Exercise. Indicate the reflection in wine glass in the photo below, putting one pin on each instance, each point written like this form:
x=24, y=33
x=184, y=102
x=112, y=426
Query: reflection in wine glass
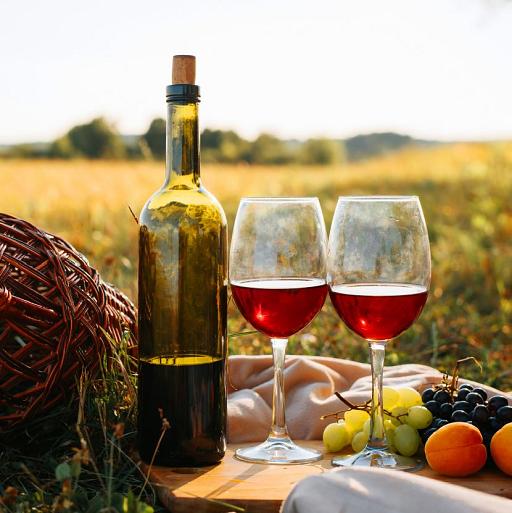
x=277, y=275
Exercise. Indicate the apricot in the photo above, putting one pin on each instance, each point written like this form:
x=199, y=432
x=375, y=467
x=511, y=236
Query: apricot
x=501, y=449
x=456, y=449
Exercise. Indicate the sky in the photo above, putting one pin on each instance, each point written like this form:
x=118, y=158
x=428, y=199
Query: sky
x=437, y=69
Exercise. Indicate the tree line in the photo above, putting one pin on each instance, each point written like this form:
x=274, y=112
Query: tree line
x=99, y=139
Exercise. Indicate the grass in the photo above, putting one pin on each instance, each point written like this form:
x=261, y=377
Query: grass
x=82, y=461
x=465, y=191
x=80, y=456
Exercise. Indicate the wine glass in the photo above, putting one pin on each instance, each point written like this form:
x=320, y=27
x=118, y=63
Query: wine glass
x=378, y=272
x=277, y=274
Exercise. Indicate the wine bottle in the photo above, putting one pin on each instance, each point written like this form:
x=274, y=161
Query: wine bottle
x=182, y=298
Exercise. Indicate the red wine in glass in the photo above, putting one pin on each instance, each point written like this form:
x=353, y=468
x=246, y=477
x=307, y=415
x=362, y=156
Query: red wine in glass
x=277, y=272
x=378, y=311
x=279, y=308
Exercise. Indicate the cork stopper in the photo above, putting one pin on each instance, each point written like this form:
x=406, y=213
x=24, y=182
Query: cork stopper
x=183, y=69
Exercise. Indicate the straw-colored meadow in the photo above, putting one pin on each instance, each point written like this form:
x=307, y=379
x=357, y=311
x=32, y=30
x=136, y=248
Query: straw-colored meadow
x=465, y=191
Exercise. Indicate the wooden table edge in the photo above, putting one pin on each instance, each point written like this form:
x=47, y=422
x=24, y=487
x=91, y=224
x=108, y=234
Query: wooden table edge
x=176, y=492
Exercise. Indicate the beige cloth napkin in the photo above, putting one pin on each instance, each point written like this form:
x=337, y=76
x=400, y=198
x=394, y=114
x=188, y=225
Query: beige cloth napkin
x=310, y=382
x=371, y=490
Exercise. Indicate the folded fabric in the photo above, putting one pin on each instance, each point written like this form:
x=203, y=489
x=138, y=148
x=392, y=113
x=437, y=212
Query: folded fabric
x=373, y=490
x=310, y=382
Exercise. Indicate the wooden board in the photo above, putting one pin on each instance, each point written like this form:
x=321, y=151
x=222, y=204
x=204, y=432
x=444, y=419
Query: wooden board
x=262, y=488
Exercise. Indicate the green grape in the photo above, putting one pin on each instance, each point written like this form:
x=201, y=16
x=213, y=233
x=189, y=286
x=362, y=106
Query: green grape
x=399, y=415
x=409, y=397
x=406, y=440
x=389, y=426
x=335, y=437
x=390, y=437
x=356, y=419
x=359, y=441
x=348, y=428
x=419, y=417
x=367, y=427
x=390, y=397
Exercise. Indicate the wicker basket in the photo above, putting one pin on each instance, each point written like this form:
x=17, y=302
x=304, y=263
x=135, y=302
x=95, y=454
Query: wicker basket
x=53, y=310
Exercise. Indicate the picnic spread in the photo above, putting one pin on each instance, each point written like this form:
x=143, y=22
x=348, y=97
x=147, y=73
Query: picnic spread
x=310, y=384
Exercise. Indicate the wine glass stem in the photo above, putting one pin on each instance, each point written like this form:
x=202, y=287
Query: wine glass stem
x=278, y=429
x=377, y=434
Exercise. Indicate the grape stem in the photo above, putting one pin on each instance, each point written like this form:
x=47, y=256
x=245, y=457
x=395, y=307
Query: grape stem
x=451, y=383
x=351, y=406
x=455, y=377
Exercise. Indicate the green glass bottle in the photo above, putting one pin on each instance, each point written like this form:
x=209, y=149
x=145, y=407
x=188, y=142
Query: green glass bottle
x=182, y=299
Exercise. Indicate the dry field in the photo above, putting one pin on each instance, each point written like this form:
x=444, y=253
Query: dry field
x=465, y=191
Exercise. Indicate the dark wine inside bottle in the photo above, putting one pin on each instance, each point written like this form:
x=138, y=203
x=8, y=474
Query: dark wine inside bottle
x=189, y=393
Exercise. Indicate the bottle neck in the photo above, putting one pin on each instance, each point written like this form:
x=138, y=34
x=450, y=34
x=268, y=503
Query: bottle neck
x=182, y=146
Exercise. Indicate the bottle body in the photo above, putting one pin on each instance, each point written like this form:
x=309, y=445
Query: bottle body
x=182, y=311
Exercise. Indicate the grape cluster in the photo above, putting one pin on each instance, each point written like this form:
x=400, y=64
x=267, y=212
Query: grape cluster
x=404, y=419
x=468, y=404
x=411, y=418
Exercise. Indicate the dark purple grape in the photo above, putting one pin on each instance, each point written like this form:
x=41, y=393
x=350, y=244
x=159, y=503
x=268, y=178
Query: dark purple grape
x=427, y=434
x=428, y=395
x=480, y=414
x=504, y=414
x=442, y=396
x=466, y=385
x=462, y=405
x=433, y=407
x=445, y=411
x=495, y=424
x=481, y=392
x=487, y=437
x=460, y=416
x=496, y=402
x=462, y=394
x=439, y=423
x=474, y=398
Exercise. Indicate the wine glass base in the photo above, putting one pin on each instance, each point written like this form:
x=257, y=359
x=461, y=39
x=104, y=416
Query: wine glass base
x=278, y=452
x=380, y=459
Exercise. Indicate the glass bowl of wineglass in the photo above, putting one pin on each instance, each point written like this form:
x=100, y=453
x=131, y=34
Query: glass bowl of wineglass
x=378, y=273
x=277, y=274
